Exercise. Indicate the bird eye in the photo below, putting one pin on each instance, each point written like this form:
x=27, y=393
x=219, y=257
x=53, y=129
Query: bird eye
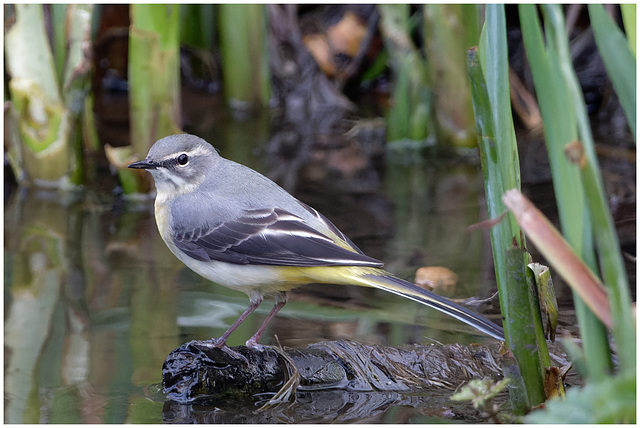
x=183, y=159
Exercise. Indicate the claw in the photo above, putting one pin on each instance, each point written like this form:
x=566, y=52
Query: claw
x=234, y=354
x=253, y=344
x=222, y=345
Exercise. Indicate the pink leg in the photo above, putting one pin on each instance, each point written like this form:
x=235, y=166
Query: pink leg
x=281, y=300
x=255, y=302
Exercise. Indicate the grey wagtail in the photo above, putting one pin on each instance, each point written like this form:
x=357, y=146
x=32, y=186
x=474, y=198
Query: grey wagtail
x=234, y=226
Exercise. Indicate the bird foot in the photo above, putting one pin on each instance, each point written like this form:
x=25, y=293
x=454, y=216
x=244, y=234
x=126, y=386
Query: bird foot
x=202, y=343
x=220, y=344
x=253, y=344
x=234, y=354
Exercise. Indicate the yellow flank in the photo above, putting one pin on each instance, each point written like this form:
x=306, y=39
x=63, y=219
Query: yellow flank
x=162, y=215
x=342, y=275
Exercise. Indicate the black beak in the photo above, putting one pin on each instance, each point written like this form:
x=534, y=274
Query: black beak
x=144, y=164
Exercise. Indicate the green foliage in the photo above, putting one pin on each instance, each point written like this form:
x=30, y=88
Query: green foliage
x=430, y=95
x=584, y=214
x=629, y=18
x=586, y=223
x=245, y=60
x=410, y=116
x=154, y=88
x=547, y=295
x=450, y=30
x=618, y=59
x=154, y=74
x=611, y=401
x=588, y=226
x=197, y=25
x=500, y=166
x=560, y=129
x=481, y=393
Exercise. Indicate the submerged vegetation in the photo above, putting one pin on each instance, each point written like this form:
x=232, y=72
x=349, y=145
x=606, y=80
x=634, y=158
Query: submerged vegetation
x=443, y=91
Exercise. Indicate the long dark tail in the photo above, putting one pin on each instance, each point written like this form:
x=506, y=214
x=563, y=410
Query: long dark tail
x=385, y=281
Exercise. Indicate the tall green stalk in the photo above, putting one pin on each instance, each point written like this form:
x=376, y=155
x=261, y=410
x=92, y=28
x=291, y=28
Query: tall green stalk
x=154, y=88
x=450, y=30
x=559, y=115
x=197, y=27
x=245, y=60
x=154, y=74
x=488, y=70
x=606, y=238
x=410, y=116
x=75, y=81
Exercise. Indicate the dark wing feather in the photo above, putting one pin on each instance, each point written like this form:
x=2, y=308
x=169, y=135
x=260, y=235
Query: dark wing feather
x=331, y=226
x=267, y=237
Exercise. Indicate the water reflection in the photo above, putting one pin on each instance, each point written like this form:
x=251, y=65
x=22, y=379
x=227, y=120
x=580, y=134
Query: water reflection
x=76, y=351
x=329, y=406
x=94, y=301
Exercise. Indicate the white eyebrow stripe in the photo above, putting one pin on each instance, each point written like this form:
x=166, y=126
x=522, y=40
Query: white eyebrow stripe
x=196, y=151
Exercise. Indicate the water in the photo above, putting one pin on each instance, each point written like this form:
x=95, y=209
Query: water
x=94, y=301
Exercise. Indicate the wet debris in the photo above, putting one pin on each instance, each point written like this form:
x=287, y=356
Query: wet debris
x=196, y=372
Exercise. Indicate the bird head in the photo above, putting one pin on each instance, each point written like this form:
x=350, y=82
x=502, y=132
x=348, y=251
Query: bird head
x=179, y=163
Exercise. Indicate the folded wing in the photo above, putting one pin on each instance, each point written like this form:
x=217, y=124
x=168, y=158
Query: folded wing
x=269, y=237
